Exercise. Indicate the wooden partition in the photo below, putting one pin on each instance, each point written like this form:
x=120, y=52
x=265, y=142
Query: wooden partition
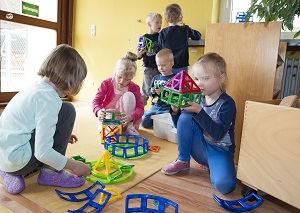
x=250, y=51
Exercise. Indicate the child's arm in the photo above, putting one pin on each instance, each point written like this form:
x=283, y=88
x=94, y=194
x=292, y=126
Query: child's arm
x=217, y=129
x=77, y=167
x=140, y=53
x=194, y=34
x=99, y=98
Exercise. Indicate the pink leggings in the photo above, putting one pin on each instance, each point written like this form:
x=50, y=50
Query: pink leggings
x=127, y=104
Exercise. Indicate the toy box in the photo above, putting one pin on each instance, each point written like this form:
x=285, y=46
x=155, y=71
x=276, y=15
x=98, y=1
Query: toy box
x=163, y=127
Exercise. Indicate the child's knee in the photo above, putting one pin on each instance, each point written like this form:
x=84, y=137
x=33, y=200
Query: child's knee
x=128, y=96
x=224, y=186
x=147, y=122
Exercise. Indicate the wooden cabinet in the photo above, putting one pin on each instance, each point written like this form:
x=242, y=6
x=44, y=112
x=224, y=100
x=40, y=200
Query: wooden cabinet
x=251, y=52
x=270, y=151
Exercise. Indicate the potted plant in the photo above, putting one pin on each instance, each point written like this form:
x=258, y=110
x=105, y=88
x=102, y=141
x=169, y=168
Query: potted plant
x=276, y=10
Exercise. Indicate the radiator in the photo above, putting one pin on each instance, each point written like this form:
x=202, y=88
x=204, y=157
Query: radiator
x=290, y=78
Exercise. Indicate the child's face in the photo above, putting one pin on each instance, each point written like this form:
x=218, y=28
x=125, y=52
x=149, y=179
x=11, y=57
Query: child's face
x=204, y=78
x=122, y=80
x=154, y=25
x=164, y=65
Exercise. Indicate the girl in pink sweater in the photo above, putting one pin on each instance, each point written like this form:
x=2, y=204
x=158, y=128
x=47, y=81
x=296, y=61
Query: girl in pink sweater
x=119, y=93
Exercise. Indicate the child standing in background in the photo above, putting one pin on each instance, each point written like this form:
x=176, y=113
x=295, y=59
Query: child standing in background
x=165, y=61
x=150, y=70
x=175, y=37
x=206, y=131
x=36, y=126
x=120, y=94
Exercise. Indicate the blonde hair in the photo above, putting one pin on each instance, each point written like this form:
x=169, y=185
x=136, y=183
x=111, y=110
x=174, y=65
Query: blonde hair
x=165, y=52
x=127, y=64
x=216, y=63
x=65, y=68
x=152, y=16
x=173, y=13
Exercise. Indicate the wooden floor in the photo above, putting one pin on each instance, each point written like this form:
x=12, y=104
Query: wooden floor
x=191, y=190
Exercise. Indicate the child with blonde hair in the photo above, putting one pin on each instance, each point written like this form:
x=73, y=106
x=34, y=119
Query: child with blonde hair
x=165, y=60
x=36, y=126
x=153, y=21
x=176, y=36
x=206, y=131
x=119, y=93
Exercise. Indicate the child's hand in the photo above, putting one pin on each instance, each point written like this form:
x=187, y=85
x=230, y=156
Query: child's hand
x=81, y=169
x=157, y=91
x=126, y=119
x=152, y=90
x=174, y=109
x=100, y=114
x=194, y=107
x=73, y=139
x=140, y=52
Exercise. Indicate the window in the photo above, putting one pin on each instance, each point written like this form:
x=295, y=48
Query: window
x=243, y=5
x=29, y=31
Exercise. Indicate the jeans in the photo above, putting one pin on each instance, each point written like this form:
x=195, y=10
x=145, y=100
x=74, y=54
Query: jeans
x=147, y=122
x=149, y=73
x=191, y=143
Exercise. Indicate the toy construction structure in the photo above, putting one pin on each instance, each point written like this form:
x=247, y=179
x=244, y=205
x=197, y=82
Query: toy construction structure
x=90, y=194
x=140, y=203
x=179, y=90
x=111, y=124
x=245, y=204
x=126, y=145
x=145, y=43
x=110, y=171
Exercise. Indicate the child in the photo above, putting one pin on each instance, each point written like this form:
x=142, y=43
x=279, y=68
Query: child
x=164, y=60
x=120, y=94
x=175, y=37
x=150, y=70
x=206, y=131
x=36, y=126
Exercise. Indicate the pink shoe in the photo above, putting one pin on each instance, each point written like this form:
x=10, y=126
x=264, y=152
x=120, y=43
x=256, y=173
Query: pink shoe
x=175, y=166
x=63, y=178
x=131, y=130
x=13, y=184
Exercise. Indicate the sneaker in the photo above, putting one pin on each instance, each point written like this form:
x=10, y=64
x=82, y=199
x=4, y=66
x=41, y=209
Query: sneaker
x=131, y=130
x=13, y=184
x=63, y=178
x=175, y=166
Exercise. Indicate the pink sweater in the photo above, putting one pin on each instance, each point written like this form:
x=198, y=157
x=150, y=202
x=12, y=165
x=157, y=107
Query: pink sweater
x=106, y=93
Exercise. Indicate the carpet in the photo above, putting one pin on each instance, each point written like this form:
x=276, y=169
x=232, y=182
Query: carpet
x=89, y=147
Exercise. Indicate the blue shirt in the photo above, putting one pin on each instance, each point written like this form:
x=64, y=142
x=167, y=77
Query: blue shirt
x=34, y=108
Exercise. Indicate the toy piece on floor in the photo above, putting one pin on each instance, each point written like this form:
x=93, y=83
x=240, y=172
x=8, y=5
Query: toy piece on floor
x=91, y=204
x=138, y=203
x=83, y=195
x=126, y=145
x=103, y=169
x=117, y=195
x=241, y=204
x=111, y=124
x=145, y=43
x=180, y=90
x=153, y=148
x=78, y=158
